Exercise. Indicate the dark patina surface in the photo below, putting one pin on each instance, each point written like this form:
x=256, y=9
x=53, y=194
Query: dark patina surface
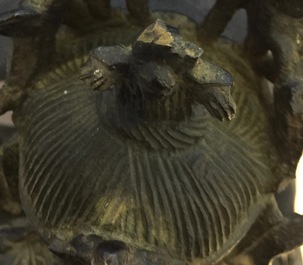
x=135, y=146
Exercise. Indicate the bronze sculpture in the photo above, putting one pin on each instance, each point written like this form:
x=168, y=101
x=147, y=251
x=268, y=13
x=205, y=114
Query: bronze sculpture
x=123, y=155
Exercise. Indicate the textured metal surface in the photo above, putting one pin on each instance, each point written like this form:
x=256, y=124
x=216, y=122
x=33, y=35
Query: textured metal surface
x=150, y=185
x=135, y=195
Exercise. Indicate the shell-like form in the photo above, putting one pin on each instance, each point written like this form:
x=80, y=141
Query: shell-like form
x=192, y=188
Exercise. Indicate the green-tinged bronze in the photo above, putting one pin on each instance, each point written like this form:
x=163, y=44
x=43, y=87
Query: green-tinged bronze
x=136, y=146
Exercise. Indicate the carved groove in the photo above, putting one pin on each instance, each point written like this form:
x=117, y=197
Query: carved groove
x=80, y=169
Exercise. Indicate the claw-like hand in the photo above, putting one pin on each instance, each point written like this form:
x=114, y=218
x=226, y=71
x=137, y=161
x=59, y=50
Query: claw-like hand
x=213, y=86
x=161, y=66
x=100, y=69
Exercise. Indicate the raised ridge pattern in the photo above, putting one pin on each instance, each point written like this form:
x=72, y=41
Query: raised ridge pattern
x=78, y=169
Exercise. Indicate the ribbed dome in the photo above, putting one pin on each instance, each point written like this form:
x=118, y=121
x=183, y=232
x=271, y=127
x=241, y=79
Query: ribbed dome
x=192, y=187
